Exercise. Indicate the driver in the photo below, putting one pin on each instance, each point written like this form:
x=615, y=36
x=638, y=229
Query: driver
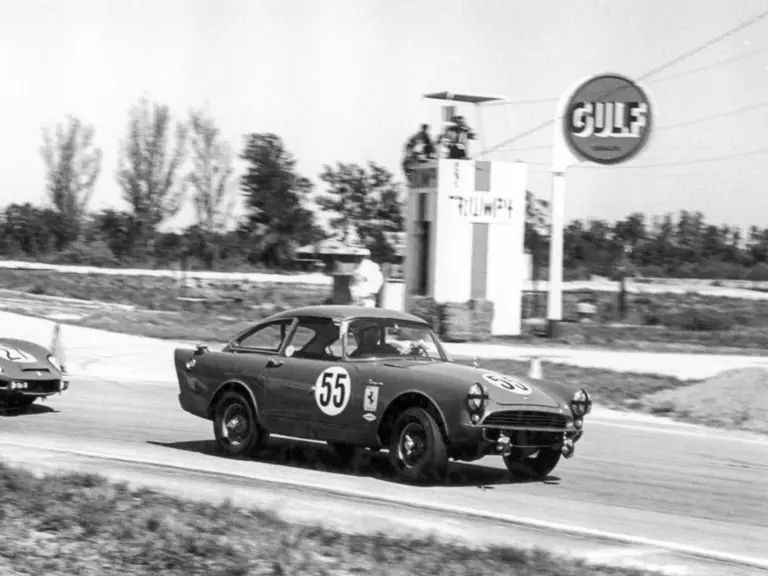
x=368, y=343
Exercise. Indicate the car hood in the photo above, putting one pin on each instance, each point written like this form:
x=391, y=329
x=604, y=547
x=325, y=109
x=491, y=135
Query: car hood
x=19, y=358
x=503, y=389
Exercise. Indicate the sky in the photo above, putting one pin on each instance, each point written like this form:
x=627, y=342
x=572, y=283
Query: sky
x=343, y=80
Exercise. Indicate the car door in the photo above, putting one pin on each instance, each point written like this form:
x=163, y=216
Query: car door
x=258, y=353
x=318, y=388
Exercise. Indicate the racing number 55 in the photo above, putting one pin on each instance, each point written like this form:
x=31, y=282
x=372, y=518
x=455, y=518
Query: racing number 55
x=332, y=390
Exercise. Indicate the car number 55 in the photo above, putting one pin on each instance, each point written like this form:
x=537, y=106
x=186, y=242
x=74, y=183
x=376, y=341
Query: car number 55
x=332, y=390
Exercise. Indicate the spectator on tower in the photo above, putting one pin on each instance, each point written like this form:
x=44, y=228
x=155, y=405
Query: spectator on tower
x=456, y=137
x=421, y=144
x=419, y=148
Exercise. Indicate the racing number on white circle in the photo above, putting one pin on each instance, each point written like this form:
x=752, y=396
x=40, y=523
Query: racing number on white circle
x=332, y=390
x=508, y=383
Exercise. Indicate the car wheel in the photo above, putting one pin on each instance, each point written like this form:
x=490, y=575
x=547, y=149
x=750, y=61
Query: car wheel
x=351, y=454
x=236, y=427
x=416, y=449
x=534, y=467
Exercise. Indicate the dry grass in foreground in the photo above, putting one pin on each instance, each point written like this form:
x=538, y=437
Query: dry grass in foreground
x=735, y=398
x=81, y=524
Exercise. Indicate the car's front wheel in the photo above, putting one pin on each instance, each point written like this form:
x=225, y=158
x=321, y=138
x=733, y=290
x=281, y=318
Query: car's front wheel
x=534, y=467
x=417, y=450
x=236, y=426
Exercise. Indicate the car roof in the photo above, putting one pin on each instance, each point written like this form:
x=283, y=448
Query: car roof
x=345, y=312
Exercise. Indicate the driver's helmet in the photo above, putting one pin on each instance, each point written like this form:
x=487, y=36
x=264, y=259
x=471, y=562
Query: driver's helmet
x=362, y=334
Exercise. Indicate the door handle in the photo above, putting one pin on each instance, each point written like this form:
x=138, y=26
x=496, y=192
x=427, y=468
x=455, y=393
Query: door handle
x=273, y=363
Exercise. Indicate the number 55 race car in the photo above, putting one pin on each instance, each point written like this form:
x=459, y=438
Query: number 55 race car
x=27, y=372
x=358, y=378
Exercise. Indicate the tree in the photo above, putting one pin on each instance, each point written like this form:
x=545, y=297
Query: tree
x=148, y=169
x=276, y=197
x=72, y=165
x=209, y=180
x=368, y=201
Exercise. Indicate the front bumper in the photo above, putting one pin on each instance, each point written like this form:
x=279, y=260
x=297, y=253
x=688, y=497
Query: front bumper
x=500, y=430
x=32, y=388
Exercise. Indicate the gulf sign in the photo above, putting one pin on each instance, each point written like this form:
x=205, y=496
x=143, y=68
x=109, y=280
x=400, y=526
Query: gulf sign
x=608, y=120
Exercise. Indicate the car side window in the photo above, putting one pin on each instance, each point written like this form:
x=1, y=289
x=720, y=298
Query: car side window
x=315, y=338
x=269, y=337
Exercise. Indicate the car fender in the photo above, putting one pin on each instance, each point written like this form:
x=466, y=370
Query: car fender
x=238, y=384
x=443, y=421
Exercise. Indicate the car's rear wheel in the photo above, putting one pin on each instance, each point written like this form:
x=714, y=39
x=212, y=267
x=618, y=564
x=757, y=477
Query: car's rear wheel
x=534, y=467
x=417, y=450
x=236, y=426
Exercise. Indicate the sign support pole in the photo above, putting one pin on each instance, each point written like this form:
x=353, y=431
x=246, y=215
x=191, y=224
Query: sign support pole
x=608, y=121
x=555, y=291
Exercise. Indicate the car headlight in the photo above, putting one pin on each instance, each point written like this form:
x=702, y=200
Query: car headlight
x=477, y=398
x=56, y=364
x=581, y=403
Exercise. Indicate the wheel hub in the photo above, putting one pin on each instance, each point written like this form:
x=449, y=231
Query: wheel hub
x=235, y=424
x=412, y=444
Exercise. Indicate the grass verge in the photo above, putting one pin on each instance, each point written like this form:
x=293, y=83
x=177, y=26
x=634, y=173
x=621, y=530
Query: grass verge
x=82, y=524
x=165, y=309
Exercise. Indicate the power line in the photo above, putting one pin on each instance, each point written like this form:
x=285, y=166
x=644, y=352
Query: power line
x=715, y=116
x=654, y=71
x=670, y=126
x=711, y=65
x=656, y=81
x=681, y=163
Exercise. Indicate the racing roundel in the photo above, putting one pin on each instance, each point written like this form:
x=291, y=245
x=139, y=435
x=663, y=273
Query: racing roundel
x=333, y=388
x=15, y=355
x=508, y=383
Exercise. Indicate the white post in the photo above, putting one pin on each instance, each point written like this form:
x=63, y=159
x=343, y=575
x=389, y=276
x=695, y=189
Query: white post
x=555, y=291
x=562, y=158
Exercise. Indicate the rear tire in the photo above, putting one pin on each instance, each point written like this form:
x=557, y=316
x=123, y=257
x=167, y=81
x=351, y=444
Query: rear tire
x=537, y=467
x=417, y=450
x=236, y=427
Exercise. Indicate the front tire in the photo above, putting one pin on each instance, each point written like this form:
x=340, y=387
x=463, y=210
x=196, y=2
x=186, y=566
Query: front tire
x=535, y=467
x=236, y=427
x=417, y=450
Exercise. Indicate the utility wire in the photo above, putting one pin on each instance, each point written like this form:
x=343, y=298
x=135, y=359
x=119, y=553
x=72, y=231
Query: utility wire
x=670, y=126
x=656, y=81
x=671, y=164
x=652, y=72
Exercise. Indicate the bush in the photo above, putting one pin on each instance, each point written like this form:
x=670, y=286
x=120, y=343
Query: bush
x=698, y=319
x=95, y=253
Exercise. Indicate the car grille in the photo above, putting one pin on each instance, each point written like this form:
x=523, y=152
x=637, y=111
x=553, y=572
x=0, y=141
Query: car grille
x=525, y=419
x=39, y=386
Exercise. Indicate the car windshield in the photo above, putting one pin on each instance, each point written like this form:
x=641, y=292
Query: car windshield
x=370, y=338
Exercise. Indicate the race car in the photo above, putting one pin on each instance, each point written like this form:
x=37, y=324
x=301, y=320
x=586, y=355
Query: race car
x=28, y=371
x=363, y=378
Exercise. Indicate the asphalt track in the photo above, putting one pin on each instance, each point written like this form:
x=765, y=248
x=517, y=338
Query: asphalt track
x=671, y=492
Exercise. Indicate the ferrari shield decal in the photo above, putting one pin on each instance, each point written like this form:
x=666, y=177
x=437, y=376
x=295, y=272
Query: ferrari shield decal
x=15, y=355
x=507, y=383
x=371, y=401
